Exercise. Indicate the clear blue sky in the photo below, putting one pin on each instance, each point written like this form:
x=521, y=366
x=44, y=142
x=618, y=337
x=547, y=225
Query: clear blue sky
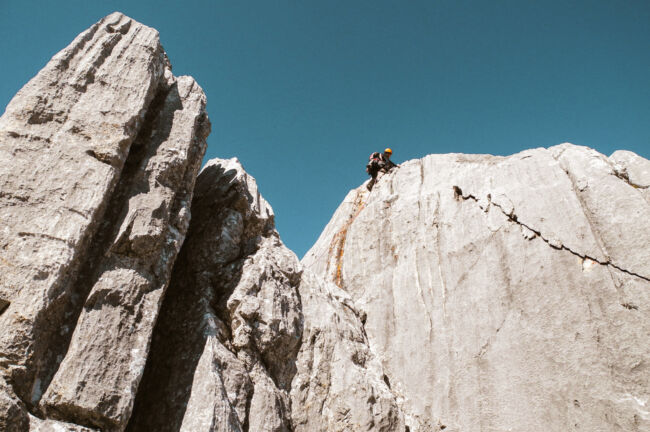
x=302, y=91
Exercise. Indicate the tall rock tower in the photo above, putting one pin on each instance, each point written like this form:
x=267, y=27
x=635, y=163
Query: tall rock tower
x=99, y=153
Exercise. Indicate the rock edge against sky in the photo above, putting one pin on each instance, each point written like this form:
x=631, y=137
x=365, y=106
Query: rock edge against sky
x=466, y=292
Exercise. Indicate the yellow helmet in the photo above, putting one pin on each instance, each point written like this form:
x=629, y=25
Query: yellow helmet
x=389, y=151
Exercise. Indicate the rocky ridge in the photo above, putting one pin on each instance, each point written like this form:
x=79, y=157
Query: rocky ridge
x=248, y=340
x=105, y=146
x=466, y=292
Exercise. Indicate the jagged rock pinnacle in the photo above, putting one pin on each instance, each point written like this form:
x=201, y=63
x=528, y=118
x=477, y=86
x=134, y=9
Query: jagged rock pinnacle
x=103, y=145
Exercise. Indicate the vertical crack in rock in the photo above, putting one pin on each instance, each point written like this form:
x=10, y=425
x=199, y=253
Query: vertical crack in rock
x=128, y=275
x=91, y=269
x=233, y=314
x=100, y=215
x=242, y=328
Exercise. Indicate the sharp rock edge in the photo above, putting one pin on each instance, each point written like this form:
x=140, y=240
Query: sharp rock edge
x=104, y=145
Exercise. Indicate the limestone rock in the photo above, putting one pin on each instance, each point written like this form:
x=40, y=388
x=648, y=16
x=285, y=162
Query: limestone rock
x=633, y=169
x=340, y=384
x=504, y=293
x=38, y=425
x=103, y=147
x=244, y=340
x=465, y=293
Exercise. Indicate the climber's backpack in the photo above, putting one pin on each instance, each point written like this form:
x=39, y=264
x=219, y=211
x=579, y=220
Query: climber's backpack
x=373, y=164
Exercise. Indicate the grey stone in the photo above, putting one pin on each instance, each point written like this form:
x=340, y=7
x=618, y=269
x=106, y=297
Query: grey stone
x=340, y=384
x=465, y=292
x=39, y=425
x=103, y=146
x=234, y=348
x=503, y=293
x=633, y=169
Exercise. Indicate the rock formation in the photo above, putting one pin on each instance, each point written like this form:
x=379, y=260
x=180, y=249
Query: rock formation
x=465, y=293
x=504, y=293
x=104, y=147
x=100, y=153
x=247, y=340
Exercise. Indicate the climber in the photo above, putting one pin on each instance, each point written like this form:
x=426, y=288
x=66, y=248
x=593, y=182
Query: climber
x=379, y=163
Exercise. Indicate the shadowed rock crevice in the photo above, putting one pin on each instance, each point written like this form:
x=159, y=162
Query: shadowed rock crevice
x=4, y=304
x=99, y=229
x=234, y=346
x=144, y=233
x=46, y=234
x=233, y=230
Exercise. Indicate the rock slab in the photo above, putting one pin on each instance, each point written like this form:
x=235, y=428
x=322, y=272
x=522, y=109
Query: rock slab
x=504, y=293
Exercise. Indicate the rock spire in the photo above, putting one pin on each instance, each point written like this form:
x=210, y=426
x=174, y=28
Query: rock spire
x=103, y=146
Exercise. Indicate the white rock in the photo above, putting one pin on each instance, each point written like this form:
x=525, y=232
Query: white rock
x=247, y=341
x=482, y=328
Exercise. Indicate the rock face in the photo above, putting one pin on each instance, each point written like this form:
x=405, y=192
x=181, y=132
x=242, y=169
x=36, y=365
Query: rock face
x=465, y=293
x=504, y=293
x=101, y=150
x=104, y=146
x=247, y=340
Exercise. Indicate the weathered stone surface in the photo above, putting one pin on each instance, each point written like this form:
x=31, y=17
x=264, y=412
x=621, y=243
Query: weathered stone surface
x=13, y=413
x=103, y=147
x=233, y=349
x=39, y=425
x=633, y=169
x=504, y=293
x=339, y=384
x=109, y=347
x=465, y=293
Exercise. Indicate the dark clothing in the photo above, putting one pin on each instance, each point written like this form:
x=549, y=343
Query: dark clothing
x=385, y=164
x=378, y=163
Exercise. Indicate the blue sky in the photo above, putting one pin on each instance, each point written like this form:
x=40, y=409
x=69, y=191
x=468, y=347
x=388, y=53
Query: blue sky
x=302, y=91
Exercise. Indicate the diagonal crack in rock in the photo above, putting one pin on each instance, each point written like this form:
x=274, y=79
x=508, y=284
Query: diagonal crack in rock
x=512, y=217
